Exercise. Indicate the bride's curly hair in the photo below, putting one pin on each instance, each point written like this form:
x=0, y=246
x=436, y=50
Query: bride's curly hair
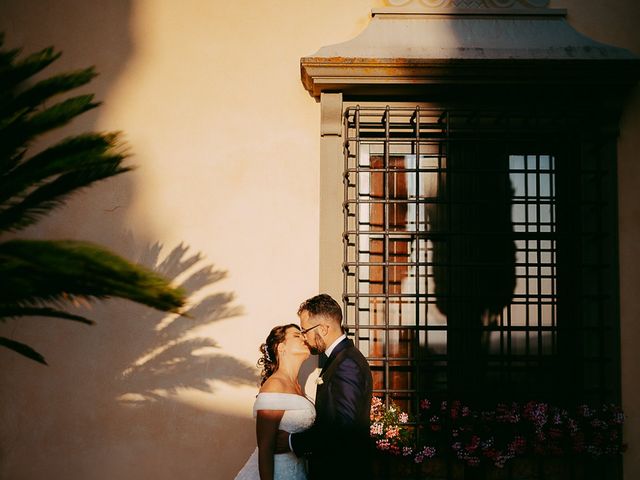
x=269, y=350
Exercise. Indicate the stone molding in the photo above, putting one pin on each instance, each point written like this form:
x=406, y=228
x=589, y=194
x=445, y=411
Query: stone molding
x=406, y=50
x=475, y=4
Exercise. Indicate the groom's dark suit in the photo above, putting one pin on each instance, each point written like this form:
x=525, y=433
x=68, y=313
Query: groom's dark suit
x=338, y=445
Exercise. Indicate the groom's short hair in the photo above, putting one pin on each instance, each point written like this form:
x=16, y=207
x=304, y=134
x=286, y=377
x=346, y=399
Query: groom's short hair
x=322, y=305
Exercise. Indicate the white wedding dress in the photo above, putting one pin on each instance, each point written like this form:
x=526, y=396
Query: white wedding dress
x=299, y=415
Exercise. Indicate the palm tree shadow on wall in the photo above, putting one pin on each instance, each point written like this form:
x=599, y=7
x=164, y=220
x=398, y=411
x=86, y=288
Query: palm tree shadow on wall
x=166, y=354
x=70, y=407
x=114, y=390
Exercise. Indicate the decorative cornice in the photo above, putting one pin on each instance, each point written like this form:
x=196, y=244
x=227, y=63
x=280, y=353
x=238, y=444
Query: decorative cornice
x=456, y=42
x=469, y=3
x=468, y=7
x=402, y=77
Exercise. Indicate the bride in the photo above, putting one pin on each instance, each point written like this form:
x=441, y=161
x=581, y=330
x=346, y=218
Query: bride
x=280, y=404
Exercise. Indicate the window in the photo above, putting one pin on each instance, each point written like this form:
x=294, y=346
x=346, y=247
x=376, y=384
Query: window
x=479, y=254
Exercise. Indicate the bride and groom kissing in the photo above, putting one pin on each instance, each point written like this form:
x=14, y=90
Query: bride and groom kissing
x=296, y=439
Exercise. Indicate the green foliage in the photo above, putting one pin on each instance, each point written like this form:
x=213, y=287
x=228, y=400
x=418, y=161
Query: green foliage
x=32, y=271
x=38, y=277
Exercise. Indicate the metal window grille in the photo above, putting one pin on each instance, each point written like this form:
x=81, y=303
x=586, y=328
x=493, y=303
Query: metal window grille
x=479, y=261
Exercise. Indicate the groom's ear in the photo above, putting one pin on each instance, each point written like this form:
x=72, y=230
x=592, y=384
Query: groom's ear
x=326, y=328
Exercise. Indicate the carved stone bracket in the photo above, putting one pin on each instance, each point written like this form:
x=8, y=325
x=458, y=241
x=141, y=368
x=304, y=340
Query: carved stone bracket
x=469, y=3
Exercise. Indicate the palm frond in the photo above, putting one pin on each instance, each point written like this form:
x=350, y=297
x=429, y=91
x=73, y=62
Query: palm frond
x=33, y=272
x=54, y=193
x=22, y=349
x=33, y=97
x=14, y=73
x=60, y=113
x=7, y=56
x=75, y=153
x=43, y=182
x=18, y=311
x=20, y=132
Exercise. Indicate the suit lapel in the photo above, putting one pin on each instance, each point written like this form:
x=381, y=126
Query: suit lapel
x=343, y=345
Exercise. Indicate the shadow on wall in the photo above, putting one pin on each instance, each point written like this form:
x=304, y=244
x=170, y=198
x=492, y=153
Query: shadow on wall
x=105, y=407
x=166, y=356
x=109, y=405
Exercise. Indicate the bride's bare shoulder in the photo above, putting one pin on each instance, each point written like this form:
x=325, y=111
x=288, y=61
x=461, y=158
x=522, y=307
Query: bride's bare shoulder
x=273, y=385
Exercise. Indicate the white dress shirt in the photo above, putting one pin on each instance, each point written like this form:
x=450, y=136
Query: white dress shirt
x=331, y=347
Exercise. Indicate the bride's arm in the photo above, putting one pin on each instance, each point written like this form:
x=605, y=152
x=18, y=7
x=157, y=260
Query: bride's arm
x=267, y=422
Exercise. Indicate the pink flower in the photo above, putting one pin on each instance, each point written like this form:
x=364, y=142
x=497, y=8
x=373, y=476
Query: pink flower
x=498, y=435
x=383, y=444
x=429, y=452
x=376, y=428
x=426, y=452
x=392, y=432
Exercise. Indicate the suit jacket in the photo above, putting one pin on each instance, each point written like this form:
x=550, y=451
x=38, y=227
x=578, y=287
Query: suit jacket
x=338, y=445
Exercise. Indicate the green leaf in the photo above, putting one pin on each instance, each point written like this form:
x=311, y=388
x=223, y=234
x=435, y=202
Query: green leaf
x=22, y=349
x=60, y=113
x=34, y=271
x=26, y=127
x=14, y=73
x=17, y=311
x=80, y=152
x=7, y=56
x=53, y=194
x=32, y=98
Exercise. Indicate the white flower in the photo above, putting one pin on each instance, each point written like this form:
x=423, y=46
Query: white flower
x=319, y=381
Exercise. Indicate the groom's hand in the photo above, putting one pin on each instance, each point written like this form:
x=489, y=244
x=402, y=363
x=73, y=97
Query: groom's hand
x=282, y=442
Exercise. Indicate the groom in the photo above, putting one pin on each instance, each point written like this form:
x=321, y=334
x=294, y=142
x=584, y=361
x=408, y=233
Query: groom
x=338, y=445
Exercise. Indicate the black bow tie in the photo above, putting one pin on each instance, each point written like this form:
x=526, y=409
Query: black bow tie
x=322, y=359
